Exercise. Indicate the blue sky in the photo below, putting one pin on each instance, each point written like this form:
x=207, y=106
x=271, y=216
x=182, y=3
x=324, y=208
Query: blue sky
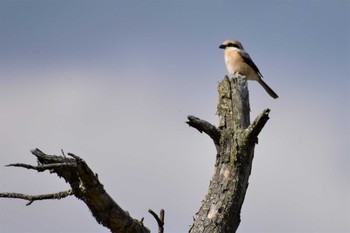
x=113, y=82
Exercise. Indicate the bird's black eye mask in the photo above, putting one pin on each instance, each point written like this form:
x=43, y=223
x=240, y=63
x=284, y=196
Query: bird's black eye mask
x=232, y=45
x=229, y=45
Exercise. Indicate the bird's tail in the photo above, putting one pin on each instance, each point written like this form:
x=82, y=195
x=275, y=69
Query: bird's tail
x=268, y=89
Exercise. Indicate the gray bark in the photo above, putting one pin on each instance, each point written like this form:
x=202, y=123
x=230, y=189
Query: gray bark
x=86, y=186
x=235, y=139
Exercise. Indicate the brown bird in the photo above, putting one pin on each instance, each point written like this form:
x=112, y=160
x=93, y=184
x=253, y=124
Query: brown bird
x=238, y=60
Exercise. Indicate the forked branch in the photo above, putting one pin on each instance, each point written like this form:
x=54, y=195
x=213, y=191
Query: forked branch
x=235, y=140
x=159, y=219
x=85, y=186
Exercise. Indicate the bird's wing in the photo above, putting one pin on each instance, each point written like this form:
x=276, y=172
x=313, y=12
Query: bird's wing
x=249, y=61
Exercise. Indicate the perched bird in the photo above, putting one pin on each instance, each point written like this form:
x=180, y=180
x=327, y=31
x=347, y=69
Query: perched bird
x=238, y=60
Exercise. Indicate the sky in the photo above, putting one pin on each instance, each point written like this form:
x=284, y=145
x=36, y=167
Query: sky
x=113, y=82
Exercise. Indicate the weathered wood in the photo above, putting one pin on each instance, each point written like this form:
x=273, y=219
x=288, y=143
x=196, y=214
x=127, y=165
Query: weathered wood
x=221, y=207
x=32, y=198
x=206, y=127
x=86, y=186
x=234, y=138
x=159, y=219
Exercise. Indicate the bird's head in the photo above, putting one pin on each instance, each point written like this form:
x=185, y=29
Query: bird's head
x=234, y=44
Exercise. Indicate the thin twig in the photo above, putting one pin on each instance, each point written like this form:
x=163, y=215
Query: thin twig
x=63, y=153
x=32, y=198
x=42, y=168
x=76, y=157
x=160, y=219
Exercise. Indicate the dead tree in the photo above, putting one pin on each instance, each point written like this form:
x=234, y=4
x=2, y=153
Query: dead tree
x=234, y=138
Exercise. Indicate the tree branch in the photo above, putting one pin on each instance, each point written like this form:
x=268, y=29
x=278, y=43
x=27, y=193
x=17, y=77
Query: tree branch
x=160, y=219
x=32, y=198
x=253, y=130
x=86, y=187
x=41, y=168
x=204, y=126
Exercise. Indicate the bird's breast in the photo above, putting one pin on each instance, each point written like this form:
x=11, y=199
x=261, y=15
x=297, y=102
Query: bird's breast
x=235, y=63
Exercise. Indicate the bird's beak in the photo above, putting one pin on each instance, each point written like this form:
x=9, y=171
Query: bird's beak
x=222, y=46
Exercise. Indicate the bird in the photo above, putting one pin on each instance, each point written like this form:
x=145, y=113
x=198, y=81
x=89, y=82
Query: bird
x=238, y=60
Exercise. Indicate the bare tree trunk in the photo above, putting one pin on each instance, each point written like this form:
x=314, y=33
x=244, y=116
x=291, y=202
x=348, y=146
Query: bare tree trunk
x=235, y=139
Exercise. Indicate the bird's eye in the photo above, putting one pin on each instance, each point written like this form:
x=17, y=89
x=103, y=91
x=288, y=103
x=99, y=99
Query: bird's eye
x=232, y=45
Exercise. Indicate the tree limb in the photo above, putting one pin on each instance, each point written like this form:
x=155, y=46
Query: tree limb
x=204, y=126
x=160, y=219
x=251, y=133
x=86, y=187
x=32, y=198
x=41, y=168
